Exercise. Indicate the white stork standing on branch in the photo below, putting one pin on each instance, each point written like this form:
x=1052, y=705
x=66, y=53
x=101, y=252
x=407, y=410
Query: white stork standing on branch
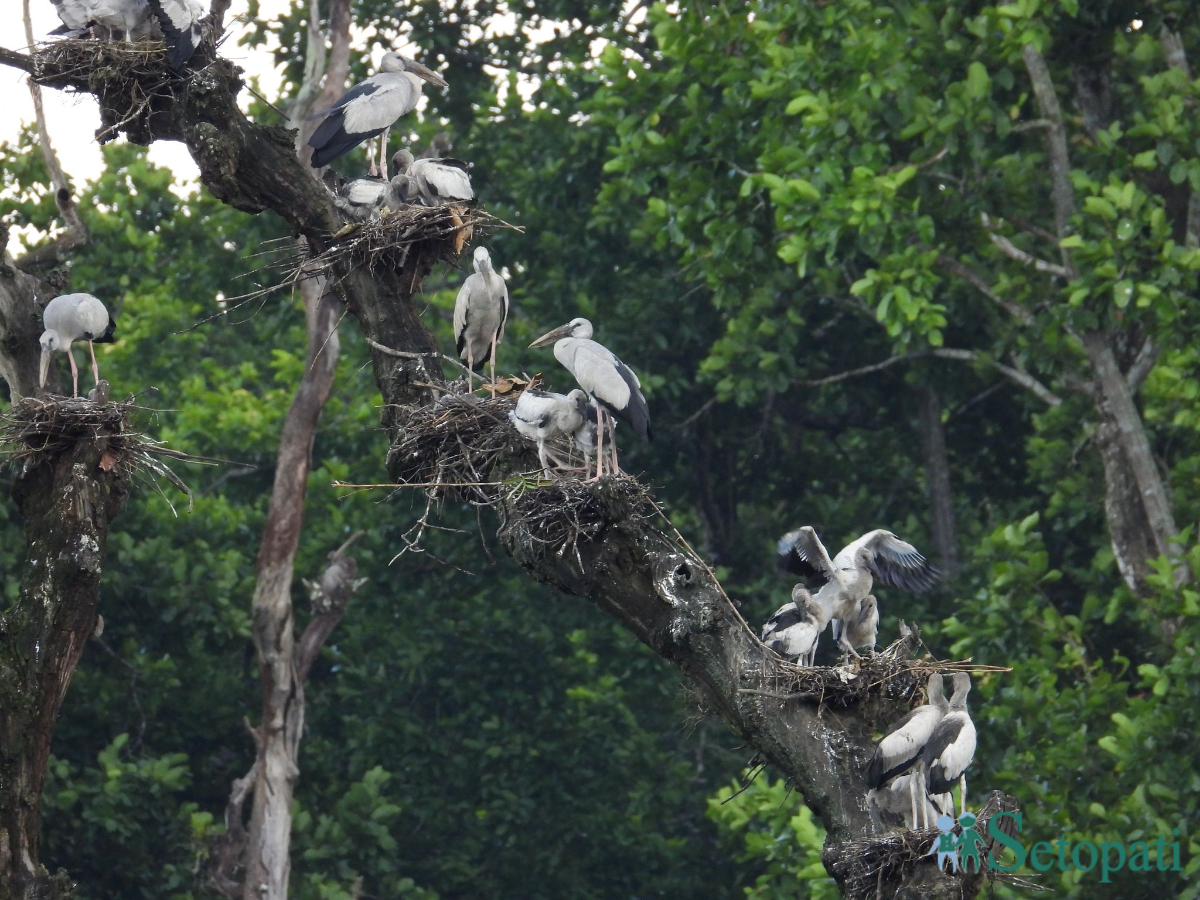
x=370, y=108
x=69, y=318
x=480, y=311
x=951, y=747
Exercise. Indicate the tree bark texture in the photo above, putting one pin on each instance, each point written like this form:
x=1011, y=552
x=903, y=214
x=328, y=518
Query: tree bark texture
x=278, y=735
x=67, y=499
x=626, y=559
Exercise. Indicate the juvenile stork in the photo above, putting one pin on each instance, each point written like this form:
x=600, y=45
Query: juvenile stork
x=951, y=747
x=432, y=182
x=851, y=574
x=370, y=108
x=793, y=629
x=861, y=628
x=69, y=318
x=610, y=383
x=480, y=312
x=363, y=198
x=900, y=750
x=544, y=415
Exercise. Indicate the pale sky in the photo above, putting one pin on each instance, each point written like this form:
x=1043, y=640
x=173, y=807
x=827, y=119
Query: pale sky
x=73, y=119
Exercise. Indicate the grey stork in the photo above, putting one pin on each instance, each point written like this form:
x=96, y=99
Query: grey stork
x=860, y=629
x=362, y=198
x=432, y=182
x=850, y=575
x=69, y=318
x=544, y=415
x=611, y=384
x=480, y=311
x=370, y=108
x=181, y=22
x=951, y=747
x=793, y=629
x=900, y=750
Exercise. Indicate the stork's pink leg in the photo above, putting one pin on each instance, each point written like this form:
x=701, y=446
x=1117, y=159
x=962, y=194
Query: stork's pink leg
x=470, y=369
x=599, y=443
x=373, y=169
x=95, y=367
x=74, y=373
x=492, y=364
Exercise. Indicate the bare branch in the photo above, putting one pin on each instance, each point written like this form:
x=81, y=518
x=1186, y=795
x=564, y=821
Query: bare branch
x=76, y=234
x=1061, y=192
x=1011, y=250
x=973, y=278
x=1143, y=364
x=217, y=14
x=1176, y=56
x=22, y=61
x=863, y=370
x=328, y=596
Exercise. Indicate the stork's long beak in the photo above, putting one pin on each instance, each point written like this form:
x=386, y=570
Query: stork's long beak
x=426, y=73
x=551, y=336
x=44, y=366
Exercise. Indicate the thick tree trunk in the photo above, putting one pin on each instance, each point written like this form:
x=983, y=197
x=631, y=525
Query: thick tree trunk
x=68, y=500
x=937, y=478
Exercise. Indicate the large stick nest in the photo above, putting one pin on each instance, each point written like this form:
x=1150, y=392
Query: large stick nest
x=131, y=79
x=35, y=432
x=891, y=674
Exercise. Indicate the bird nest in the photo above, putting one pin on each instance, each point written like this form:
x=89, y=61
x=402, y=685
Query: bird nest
x=891, y=675
x=34, y=432
x=129, y=78
x=453, y=448
x=415, y=237
x=554, y=517
x=864, y=866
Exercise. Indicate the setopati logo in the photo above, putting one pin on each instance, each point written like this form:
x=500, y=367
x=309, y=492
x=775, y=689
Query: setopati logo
x=961, y=852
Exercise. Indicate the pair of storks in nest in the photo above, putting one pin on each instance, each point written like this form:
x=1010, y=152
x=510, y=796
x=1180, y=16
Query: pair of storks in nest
x=178, y=23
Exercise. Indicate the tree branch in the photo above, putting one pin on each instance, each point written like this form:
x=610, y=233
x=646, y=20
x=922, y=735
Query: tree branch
x=1176, y=56
x=1061, y=193
x=76, y=234
x=973, y=278
x=1011, y=250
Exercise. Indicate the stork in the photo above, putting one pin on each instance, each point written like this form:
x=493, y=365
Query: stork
x=792, y=630
x=951, y=747
x=69, y=318
x=611, y=384
x=544, y=415
x=850, y=575
x=363, y=198
x=370, y=108
x=900, y=750
x=432, y=182
x=896, y=797
x=480, y=311
x=178, y=22
x=861, y=628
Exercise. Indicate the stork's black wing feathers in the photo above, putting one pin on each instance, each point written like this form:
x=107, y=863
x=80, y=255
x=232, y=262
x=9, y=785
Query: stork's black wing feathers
x=362, y=89
x=877, y=774
x=107, y=337
x=899, y=563
x=637, y=413
x=181, y=28
x=331, y=140
x=790, y=559
x=943, y=736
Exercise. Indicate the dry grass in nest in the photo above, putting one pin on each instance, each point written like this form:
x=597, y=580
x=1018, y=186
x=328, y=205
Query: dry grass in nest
x=890, y=674
x=868, y=863
x=34, y=431
x=451, y=447
x=556, y=516
x=394, y=240
x=122, y=75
